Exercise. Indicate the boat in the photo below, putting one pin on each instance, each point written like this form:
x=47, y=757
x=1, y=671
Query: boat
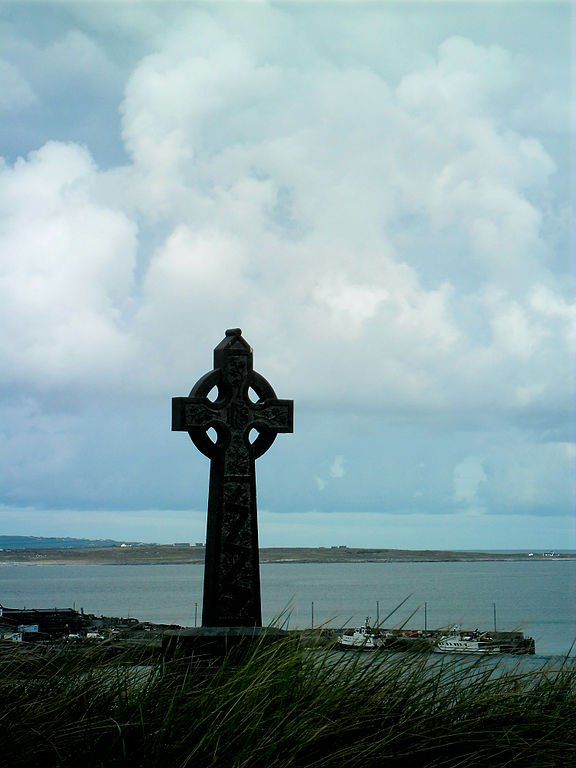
x=361, y=638
x=470, y=642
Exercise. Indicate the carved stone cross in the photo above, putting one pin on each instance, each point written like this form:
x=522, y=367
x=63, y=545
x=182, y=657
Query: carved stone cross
x=231, y=571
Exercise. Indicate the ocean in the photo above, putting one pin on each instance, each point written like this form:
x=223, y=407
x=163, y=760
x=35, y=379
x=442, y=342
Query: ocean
x=538, y=598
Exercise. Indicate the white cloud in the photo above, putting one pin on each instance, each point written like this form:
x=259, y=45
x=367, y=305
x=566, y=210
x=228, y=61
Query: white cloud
x=337, y=469
x=285, y=208
x=378, y=221
x=538, y=478
x=16, y=93
x=462, y=79
x=77, y=57
x=469, y=475
x=272, y=160
x=229, y=147
x=66, y=272
x=513, y=331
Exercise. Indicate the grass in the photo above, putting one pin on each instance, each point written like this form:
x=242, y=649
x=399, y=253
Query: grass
x=283, y=706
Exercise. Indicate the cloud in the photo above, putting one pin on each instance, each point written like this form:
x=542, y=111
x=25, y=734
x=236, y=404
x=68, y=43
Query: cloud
x=291, y=175
x=16, y=93
x=382, y=223
x=256, y=178
x=337, y=470
x=469, y=475
x=539, y=479
x=320, y=483
x=66, y=273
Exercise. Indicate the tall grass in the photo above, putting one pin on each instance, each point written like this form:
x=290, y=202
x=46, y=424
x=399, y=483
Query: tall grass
x=283, y=706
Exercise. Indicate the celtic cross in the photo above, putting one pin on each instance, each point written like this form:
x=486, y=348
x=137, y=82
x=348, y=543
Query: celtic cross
x=231, y=570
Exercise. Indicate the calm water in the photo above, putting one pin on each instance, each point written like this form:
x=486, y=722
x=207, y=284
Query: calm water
x=537, y=597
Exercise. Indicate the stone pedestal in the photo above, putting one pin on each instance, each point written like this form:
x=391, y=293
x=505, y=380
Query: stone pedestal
x=216, y=642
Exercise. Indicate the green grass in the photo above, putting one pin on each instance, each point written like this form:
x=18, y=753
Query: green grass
x=283, y=706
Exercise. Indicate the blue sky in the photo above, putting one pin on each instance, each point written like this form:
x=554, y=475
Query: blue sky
x=377, y=194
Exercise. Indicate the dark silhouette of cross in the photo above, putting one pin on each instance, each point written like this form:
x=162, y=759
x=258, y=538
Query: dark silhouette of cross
x=231, y=571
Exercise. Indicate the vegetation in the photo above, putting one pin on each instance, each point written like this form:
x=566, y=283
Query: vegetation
x=282, y=706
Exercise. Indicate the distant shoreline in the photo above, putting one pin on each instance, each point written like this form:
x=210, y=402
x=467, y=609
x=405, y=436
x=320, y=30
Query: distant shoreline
x=180, y=555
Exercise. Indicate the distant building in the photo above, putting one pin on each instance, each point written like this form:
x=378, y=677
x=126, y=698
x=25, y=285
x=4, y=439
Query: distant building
x=199, y=544
x=182, y=544
x=54, y=621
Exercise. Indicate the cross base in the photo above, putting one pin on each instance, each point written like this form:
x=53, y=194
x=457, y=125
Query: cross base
x=216, y=642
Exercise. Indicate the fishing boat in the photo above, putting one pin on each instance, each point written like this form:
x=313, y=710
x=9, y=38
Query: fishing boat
x=361, y=638
x=470, y=642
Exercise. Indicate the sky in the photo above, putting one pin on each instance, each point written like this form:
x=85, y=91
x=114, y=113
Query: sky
x=378, y=194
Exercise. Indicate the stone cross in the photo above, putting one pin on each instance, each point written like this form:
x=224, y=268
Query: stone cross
x=231, y=570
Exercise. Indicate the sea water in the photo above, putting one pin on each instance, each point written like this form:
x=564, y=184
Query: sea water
x=538, y=598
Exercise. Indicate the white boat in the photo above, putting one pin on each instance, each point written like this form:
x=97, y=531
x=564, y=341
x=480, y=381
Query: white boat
x=361, y=638
x=467, y=642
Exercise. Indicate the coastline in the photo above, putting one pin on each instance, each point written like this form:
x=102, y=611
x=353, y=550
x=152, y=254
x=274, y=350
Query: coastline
x=169, y=555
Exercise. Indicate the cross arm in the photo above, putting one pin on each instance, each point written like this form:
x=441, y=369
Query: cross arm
x=277, y=415
x=191, y=412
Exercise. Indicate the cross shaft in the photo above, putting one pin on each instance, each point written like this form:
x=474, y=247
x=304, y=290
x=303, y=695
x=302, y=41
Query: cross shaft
x=231, y=571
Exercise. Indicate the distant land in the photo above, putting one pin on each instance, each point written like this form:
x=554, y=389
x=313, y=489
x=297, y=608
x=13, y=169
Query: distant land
x=43, y=542
x=69, y=551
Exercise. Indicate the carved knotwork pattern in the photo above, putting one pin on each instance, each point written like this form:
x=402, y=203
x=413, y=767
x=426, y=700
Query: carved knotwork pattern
x=240, y=415
x=237, y=459
x=236, y=492
x=198, y=414
x=236, y=563
x=275, y=416
x=237, y=373
x=236, y=571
